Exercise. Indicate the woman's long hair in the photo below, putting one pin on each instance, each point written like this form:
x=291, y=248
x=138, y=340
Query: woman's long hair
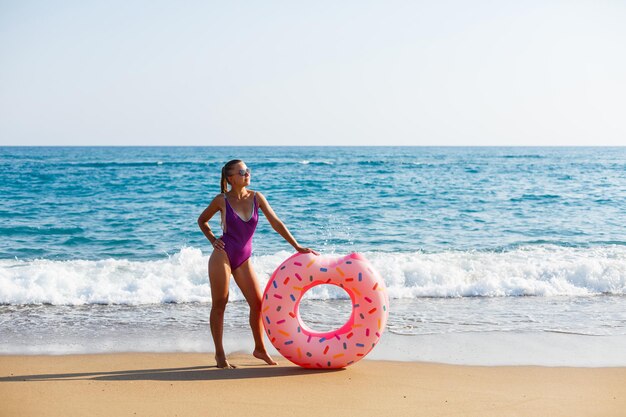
x=225, y=172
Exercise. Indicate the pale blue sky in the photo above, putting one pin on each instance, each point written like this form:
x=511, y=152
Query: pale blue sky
x=318, y=72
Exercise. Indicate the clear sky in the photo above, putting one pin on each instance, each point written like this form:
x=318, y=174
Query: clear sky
x=449, y=72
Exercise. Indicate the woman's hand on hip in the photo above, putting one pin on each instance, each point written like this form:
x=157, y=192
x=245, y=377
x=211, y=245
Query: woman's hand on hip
x=218, y=244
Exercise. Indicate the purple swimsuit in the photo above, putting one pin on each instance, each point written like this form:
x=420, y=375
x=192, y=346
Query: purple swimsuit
x=238, y=235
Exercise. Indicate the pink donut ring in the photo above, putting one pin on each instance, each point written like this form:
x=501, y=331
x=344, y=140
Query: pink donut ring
x=338, y=348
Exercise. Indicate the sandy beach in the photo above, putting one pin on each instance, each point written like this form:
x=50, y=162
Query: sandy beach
x=187, y=384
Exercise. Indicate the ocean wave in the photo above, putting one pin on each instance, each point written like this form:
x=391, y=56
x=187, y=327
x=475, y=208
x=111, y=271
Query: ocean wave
x=182, y=277
x=39, y=231
x=523, y=156
x=309, y=162
x=535, y=197
x=131, y=164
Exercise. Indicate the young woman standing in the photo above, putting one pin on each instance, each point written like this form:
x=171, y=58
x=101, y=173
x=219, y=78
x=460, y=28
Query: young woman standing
x=239, y=209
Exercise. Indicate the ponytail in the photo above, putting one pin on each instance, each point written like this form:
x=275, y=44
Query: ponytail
x=224, y=181
x=225, y=169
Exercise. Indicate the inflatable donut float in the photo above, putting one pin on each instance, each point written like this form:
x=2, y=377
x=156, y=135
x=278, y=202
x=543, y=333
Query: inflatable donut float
x=338, y=348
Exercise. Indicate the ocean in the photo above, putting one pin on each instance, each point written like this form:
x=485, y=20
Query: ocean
x=491, y=256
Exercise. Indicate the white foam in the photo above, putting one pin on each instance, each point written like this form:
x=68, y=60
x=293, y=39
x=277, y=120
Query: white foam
x=182, y=277
x=536, y=271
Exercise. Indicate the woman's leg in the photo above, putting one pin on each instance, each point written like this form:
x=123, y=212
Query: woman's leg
x=219, y=275
x=246, y=279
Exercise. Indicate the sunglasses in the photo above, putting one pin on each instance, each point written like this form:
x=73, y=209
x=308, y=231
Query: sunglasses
x=242, y=172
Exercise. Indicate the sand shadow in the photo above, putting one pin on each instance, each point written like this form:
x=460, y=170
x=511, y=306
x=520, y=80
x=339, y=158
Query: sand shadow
x=192, y=373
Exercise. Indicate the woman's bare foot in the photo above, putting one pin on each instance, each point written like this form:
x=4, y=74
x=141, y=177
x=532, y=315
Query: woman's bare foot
x=223, y=363
x=264, y=356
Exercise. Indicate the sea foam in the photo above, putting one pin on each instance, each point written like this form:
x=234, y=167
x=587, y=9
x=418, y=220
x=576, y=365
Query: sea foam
x=182, y=277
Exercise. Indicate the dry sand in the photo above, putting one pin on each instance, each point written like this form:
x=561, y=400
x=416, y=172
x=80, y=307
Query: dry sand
x=183, y=384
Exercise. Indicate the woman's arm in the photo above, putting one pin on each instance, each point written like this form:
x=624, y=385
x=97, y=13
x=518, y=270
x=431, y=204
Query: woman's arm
x=278, y=225
x=203, y=222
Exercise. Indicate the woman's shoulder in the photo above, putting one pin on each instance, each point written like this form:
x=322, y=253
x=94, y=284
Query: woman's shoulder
x=258, y=194
x=218, y=199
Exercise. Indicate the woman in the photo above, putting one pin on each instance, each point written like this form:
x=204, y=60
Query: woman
x=239, y=208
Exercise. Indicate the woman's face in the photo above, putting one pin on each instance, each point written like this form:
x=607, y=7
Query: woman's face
x=235, y=176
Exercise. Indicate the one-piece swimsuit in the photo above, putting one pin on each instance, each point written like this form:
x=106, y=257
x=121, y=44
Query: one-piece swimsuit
x=238, y=233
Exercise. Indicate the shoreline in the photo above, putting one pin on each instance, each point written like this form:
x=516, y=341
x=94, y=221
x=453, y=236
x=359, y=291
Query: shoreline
x=189, y=384
x=545, y=349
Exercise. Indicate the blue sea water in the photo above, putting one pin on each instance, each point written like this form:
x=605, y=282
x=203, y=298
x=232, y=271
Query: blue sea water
x=141, y=203
x=100, y=249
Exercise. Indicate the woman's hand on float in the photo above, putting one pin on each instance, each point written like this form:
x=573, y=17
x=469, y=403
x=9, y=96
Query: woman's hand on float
x=218, y=244
x=306, y=250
